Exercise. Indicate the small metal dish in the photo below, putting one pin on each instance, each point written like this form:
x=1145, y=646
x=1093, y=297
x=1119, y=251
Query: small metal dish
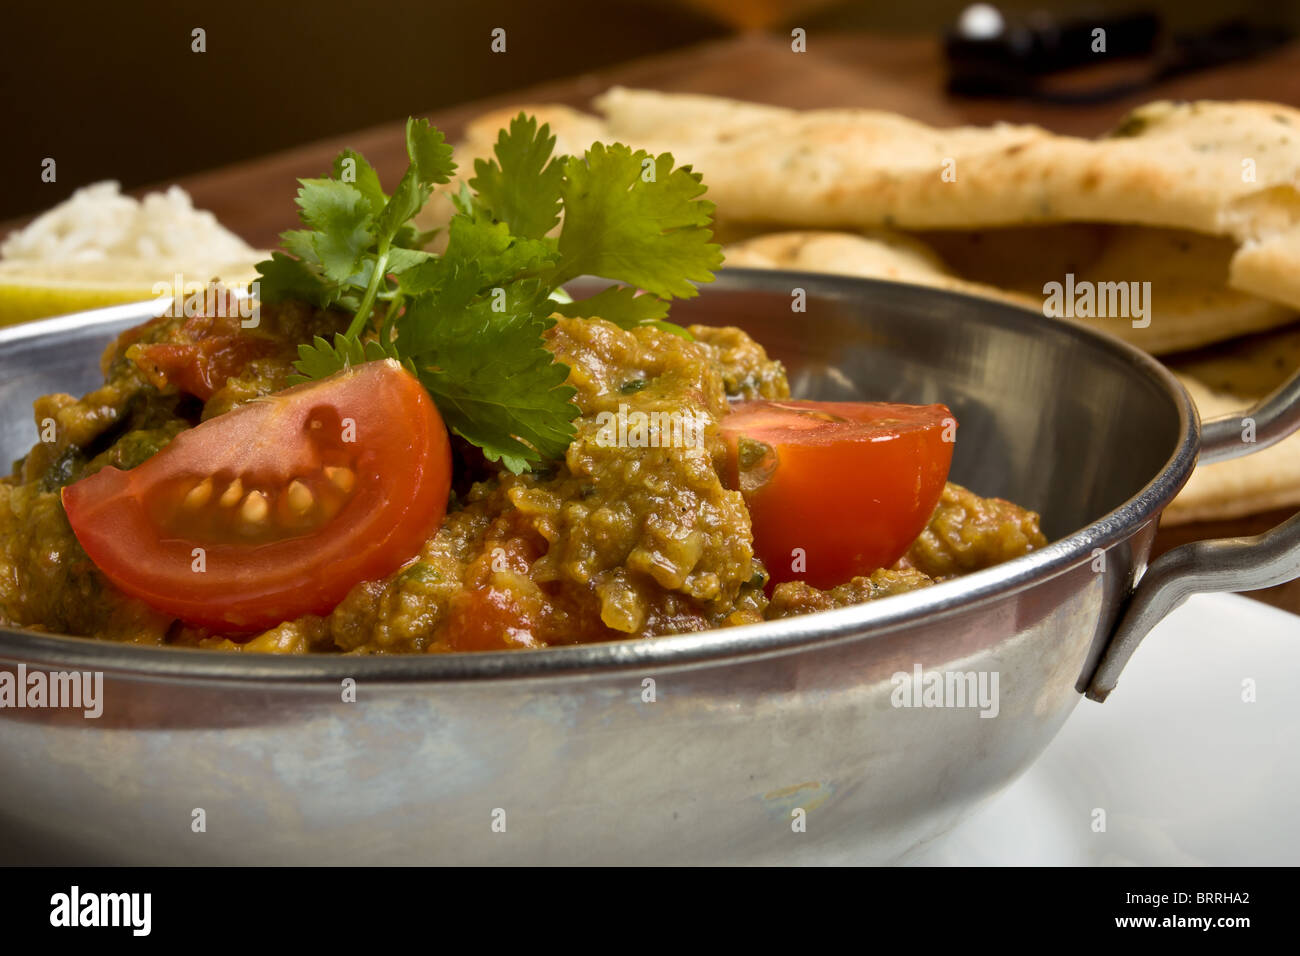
x=783, y=741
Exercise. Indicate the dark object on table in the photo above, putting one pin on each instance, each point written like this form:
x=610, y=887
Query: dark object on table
x=1086, y=59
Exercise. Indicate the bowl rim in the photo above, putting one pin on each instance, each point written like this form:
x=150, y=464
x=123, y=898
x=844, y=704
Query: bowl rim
x=704, y=648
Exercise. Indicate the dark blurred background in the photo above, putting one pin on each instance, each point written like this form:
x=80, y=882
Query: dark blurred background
x=113, y=90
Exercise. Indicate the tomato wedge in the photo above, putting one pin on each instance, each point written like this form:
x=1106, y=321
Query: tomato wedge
x=202, y=368
x=837, y=489
x=200, y=355
x=276, y=508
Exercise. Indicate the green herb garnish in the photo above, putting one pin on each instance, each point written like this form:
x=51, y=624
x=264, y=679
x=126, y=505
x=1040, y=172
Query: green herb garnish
x=470, y=322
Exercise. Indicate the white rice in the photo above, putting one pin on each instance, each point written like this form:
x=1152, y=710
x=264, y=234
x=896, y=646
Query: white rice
x=98, y=223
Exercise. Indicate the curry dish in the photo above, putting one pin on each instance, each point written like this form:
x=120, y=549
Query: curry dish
x=613, y=542
x=389, y=449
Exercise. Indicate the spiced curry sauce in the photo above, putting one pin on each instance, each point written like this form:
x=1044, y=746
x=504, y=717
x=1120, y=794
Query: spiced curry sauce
x=613, y=542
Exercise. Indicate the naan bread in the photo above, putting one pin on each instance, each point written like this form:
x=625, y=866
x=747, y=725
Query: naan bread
x=573, y=130
x=877, y=255
x=1189, y=302
x=1269, y=268
x=1261, y=481
x=1218, y=168
x=1228, y=380
x=1230, y=170
x=817, y=168
x=1250, y=367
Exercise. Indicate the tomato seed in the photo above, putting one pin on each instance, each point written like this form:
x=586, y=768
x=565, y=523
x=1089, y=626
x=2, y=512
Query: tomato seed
x=255, y=509
x=232, y=494
x=341, y=478
x=198, y=496
x=300, y=497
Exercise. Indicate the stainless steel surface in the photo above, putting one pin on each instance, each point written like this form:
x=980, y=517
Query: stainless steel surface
x=1275, y=417
x=747, y=726
x=1226, y=564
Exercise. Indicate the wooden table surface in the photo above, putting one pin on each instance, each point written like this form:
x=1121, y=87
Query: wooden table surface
x=906, y=75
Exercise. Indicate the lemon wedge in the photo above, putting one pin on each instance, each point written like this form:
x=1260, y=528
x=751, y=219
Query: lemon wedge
x=37, y=290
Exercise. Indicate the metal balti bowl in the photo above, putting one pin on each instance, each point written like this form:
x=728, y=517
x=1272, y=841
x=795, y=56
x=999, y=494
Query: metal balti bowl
x=775, y=742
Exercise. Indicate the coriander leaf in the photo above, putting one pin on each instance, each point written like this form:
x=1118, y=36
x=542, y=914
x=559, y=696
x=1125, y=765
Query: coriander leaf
x=409, y=237
x=360, y=280
x=621, y=305
x=471, y=322
x=481, y=255
x=283, y=278
x=521, y=186
x=492, y=377
x=416, y=271
x=618, y=304
x=429, y=152
x=464, y=200
x=450, y=287
x=408, y=198
x=460, y=283
x=423, y=277
x=431, y=163
x=491, y=248
x=376, y=352
x=456, y=281
x=634, y=218
x=320, y=359
x=299, y=242
x=402, y=260
x=340, y=216
x=673, y=328
x=351, y=167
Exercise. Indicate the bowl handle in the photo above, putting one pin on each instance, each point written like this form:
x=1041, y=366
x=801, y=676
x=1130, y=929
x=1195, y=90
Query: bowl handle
x=1273, y=418
x=1225, y=564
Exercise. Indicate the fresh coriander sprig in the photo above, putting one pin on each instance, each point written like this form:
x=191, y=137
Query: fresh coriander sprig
x=471, y=322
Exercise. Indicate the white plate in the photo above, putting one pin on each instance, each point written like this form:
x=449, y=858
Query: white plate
x=1186, y=771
